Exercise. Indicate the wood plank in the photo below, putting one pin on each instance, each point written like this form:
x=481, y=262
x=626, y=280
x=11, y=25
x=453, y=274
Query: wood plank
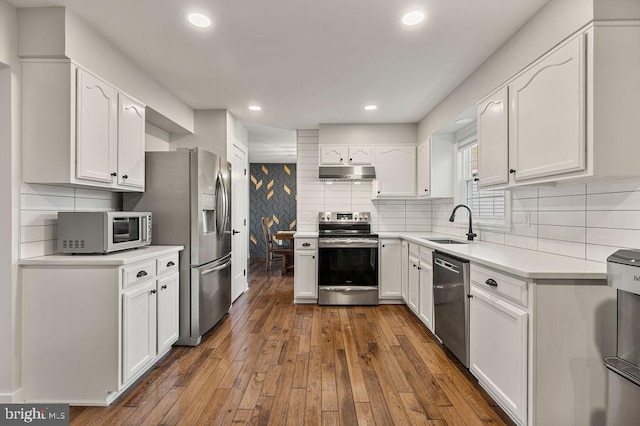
x=272, y=362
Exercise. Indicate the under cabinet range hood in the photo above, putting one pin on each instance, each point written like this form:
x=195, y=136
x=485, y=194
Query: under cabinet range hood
x=347, y=173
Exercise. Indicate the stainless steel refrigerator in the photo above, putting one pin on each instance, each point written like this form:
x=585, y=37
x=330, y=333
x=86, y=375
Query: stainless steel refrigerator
x=189, y=193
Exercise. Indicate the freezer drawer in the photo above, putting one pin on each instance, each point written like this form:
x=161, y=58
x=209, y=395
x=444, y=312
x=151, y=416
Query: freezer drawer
x=210, y=295
x=623, y=392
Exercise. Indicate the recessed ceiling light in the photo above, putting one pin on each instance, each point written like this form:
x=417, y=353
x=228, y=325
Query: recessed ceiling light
x=199, y=20
x=413, y=18
x=371, y=107
x=464, y=120
x=255, y=108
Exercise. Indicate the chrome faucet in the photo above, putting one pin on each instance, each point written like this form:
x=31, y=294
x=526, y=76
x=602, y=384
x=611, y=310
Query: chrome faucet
x=470, y=234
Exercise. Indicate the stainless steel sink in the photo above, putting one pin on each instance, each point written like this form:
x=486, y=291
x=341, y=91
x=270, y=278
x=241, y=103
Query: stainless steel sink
x=444, y=241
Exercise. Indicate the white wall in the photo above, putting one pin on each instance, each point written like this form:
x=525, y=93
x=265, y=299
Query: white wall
x=315, y=196
x=10, y=326
x=210, y=132
x=368, y=134
x=156, y=139
x=56, y=32
x=553, y=23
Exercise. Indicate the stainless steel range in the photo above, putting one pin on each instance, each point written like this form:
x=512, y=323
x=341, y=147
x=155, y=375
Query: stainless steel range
x=347, y=259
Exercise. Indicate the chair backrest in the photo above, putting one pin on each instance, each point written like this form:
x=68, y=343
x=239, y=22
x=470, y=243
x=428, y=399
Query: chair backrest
x=265, y=231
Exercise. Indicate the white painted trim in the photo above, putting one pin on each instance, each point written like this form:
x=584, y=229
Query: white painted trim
x=15, y=397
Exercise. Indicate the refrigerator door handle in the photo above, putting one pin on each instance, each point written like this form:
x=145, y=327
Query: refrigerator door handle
x=216, y=268
x=221, y=190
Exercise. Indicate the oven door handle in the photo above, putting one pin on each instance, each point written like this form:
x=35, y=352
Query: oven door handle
x=347, y=243
x=341, y=289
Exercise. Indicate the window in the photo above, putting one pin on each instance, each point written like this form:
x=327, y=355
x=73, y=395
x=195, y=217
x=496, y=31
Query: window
x=490, y=208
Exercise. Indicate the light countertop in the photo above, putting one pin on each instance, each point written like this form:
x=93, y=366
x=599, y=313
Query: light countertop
x=112, y=259
x=521, y=262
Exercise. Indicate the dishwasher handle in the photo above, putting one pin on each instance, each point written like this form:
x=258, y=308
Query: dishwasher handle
x=446, y=265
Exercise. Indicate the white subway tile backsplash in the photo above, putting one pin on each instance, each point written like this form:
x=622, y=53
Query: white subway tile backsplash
x=30, y=234
x=613, y=219
x=574, y=202
x=574, y=234
x=614, y=201
x=566, y=218
x=524, y=192
x=493, y=237
x=562, y=190
x=564, y=248
x=614, y=237
x=616, y=185
x=524, y=204
x=39, y=207
x=530, y=243
x=600, y=253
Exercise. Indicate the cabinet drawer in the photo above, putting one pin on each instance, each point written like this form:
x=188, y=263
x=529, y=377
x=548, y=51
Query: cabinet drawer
x=414, y=250
x=166, y=263
x=426, y=256
x=499, y=283
x=138, y=273
x=306, y=243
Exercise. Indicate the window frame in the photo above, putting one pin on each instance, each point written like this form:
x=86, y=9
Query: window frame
x=465, y=139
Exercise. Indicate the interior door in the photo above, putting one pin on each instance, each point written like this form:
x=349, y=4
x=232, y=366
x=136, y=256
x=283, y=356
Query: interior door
x=239, y=219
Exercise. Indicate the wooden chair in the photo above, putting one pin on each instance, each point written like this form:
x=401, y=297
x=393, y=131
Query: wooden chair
x=274, y=249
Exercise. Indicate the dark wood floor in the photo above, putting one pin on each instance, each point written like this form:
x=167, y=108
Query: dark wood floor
x=272, y=362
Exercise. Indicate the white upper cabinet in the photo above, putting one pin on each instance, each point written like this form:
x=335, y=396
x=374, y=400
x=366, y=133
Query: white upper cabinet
x=547, y=115
x=131, y=140
x=568, y=113
x=79, y=130
x=424, y=173
x=493, y=134
x=343, y=155
x=333, y=155
x=97, y=126
x=435, y=160
x=395, y=171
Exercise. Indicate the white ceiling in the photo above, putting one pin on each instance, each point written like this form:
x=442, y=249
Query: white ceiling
x=307, y=62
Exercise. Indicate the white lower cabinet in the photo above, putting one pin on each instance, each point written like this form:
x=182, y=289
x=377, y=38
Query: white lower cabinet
x=139, y=308
x=425, y=293
x=305, y=280
x=498, y=350
x=390, y=282
x=414, y=283
x=404, y=273
x=111, y=321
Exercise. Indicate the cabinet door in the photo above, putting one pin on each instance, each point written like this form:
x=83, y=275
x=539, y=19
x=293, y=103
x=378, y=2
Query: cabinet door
x=305, y=281
x=395, y=171
x=167, y=311
x=138, y=328
x=425, y=294
x=414, y=283
x=360, y=155
x=547, y=115
x=493, y=139
x=390, y=272
x=498, y=350
x=404, y=264
x=96, y=127
x=333, y=155
x=131, y=140
x=424, y=168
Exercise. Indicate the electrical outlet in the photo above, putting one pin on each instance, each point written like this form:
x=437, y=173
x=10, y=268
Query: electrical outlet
x=522, y=218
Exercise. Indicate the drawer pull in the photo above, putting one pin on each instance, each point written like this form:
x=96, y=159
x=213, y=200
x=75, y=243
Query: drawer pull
x=170, y=264
x=491, y=282
x=141, y=274
x=306, y=244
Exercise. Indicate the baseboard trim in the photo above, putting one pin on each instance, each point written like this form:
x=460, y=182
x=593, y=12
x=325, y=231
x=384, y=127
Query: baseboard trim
x=15, y=397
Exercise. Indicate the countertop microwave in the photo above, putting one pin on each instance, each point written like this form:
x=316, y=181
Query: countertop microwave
x=102, y=232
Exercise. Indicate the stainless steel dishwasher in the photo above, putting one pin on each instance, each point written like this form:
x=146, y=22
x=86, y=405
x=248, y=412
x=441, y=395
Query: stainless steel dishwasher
x=451, y=304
